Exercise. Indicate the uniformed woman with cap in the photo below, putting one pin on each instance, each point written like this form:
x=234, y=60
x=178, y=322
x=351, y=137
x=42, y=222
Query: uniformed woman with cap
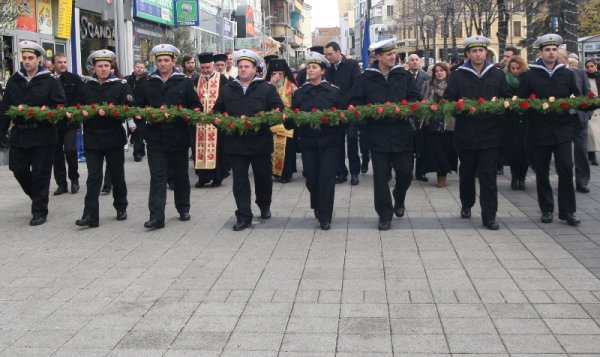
x=320, y=148
x=104, y=138
x=549, y=134
x=32, y=144
x=168, y=143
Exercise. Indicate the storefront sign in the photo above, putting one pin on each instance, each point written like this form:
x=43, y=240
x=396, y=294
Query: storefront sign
x=65, y=12
x=245, y=19
x=186, y=13
x=248, y=43
x=44, y=16
x=26, y=15
x=160, y=11
x=93, y=27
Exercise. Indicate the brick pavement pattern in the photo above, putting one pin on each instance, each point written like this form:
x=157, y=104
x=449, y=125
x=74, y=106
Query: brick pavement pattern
x=434, y=285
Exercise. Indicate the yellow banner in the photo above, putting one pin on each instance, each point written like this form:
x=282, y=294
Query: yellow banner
x=65, y=12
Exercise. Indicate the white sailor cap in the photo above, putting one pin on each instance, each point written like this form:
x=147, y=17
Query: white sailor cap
x=30, y=46
x=383, y=46
x=164, y=49
x=247, y=55
x=574, y=56
x=550, y=39
x=476, y=41
x=101, y=55
x=316, y=57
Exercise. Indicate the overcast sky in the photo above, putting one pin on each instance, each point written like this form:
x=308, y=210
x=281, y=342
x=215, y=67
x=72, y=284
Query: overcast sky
x=324, y=13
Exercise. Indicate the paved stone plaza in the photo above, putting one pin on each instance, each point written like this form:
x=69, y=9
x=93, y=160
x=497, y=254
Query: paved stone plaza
x=434, y=285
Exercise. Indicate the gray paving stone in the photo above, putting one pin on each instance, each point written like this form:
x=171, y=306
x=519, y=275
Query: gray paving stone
x=147, y=340
x=323, y=325
x=561, y=311
x=468, y=326
x=254, y=341
x=475, y=343
x=200, y=341
x=532, y=344
x=425, y=344
x=580, y=343
x=521, y=327
x=307, y=343
x=366, y=343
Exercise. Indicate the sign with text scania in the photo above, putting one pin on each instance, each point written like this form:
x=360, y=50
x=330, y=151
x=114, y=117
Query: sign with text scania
x=160, y=11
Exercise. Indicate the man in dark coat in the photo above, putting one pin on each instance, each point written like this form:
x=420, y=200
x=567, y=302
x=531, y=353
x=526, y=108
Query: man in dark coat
x=104, y=138
x=391, y=143
x=343, y=73
x=422, y=163
x=136, y=82
x=248, y=95
x=478, y=138
x=580, y=133
x=168, y=143
x=32, y=145
x=551, y=134
x=67, y=132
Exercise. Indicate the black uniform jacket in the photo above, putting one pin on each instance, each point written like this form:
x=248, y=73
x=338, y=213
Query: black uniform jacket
x=102, y=132
x=260, y=96
x=545, y=129
x=177, y=90
x=137, y=86
x=321, y=97
x=43, y=89
x=372, y=87
x=478, y=131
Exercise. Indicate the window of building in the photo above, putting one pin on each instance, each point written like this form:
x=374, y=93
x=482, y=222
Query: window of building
x=390, y=10
x=459, y=29
x=516, y=28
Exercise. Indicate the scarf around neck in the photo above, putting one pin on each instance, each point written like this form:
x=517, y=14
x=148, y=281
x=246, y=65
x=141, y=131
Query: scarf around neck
x=513, y=81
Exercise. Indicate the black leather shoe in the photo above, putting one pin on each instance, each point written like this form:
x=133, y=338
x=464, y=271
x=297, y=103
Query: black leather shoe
x=465, y=212
x=500, y=171
x=121, y=215
x=547, y=217
x=106, y=189
x=171, y=186
x=199, y=184
x=284, y=180
x=514, y=184
x=37, y=220
x=354, y=180
x=491, y=224
x=570, y=218
x=522, y=185
x=137, y=157
x=325, y=226
x=364, y=167
x=265, y=213
x=240, y=226
x=399, y=211
x=341, y=179
x=421, y=178
x=74, y=187
x=61, y=189
x=184, y=217
x=384, y=225
x=582, y=189
x=215, y=183
x=87, y=222
x=154, y=224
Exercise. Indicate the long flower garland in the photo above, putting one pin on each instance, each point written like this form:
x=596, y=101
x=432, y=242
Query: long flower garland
x=403, y=110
